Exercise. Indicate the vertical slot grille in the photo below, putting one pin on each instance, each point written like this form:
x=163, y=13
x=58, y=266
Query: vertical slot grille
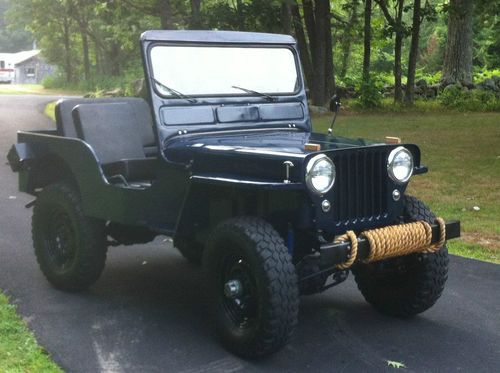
x=360, y=190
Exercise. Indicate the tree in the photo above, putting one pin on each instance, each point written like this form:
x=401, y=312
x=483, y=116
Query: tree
x=367, y=40
x=457, y=66
x=419, y=15
x=13, y=37
x=195, y=20
x=305, y=56
x=398, y=28
x=348, y=35
x=317, y=19
x=80, y=10
x=51, y=22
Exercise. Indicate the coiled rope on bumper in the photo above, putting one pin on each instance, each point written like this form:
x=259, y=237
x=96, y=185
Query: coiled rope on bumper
x=395, y=240
x=351, y=236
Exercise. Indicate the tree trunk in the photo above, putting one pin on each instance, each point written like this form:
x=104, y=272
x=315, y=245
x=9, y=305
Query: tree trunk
x=397, y=24
x=98, y=63
x=367, y=40
x=195, y=21
x=85, y=51
x=305, y=56
x=457, y=66
x=67, y=52
x=240, y=15
x=347, y=39
x=165, y=13
x=310, y=25
x=286, y=17
x=114, y=59
x=329, y=68
x=412, y=61
x=319, y=89
x=319, y=72
x=398, y=89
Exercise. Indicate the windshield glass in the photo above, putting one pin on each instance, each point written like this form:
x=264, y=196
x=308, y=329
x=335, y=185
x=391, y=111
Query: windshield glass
x=215, y=70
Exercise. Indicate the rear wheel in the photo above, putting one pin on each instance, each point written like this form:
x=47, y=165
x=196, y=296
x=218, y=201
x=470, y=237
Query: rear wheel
x=408, y=285
x=70, y=247
x=254, y=286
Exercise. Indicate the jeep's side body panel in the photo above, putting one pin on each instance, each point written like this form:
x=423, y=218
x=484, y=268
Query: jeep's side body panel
x=156, y=207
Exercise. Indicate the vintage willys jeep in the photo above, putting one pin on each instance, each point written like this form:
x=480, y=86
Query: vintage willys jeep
x=223, y=159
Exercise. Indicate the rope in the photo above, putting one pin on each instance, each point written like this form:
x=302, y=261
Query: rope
x=395, y=240
x=351, y=236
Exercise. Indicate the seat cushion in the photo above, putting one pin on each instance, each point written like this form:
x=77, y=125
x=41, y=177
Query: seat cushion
x=141, y=111
x=110, y=129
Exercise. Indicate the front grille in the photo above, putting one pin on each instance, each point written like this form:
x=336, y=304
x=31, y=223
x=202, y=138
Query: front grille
x=360, y=190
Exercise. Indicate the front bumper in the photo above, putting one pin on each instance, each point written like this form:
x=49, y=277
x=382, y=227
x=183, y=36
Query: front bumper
x=338, y=252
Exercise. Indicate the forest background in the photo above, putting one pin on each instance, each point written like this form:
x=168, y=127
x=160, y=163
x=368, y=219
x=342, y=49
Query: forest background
x=368, y=50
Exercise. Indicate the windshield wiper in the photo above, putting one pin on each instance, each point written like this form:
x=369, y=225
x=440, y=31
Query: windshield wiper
x=174, y=92
x=268, y=97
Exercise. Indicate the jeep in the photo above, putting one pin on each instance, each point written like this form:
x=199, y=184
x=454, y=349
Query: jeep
x=221, y=157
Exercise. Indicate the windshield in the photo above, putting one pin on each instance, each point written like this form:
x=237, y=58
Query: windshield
x=215, y=70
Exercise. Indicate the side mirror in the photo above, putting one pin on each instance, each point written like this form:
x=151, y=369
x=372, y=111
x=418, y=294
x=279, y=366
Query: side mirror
x=335, y=103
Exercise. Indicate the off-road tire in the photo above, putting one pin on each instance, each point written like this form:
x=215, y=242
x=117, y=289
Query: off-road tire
x=408, y=285
x=58, y=221
x=190, y=250
x=264, y=254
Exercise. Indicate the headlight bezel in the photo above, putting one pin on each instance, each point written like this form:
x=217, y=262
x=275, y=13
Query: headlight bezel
x=390, y=164
x=311, y=164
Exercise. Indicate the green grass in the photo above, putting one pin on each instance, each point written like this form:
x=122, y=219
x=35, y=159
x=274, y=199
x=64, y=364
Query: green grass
x=19, y=351
x=50, y=110
x=462, y=151
x=33, y=89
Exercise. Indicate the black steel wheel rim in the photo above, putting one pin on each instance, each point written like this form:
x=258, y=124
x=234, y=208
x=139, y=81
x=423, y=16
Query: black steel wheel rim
x=241, y=310
x=60, y=240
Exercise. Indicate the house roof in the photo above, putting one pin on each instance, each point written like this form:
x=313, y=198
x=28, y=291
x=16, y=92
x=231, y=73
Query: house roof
x=19, y=57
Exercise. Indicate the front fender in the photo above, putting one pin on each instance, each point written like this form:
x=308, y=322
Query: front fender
x=211, y=199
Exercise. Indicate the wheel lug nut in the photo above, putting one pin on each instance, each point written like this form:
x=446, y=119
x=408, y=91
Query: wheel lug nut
x=232, y=289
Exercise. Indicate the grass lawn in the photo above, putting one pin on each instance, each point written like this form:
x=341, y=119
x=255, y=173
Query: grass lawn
x=462, y=151
x=19, y=351
x=50, y=110
x=33, y=89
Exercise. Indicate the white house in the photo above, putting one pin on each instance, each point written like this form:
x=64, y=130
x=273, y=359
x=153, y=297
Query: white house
x=24, y=67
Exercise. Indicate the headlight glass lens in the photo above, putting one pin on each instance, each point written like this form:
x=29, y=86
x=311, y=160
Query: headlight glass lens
x=320, y=174
x=400, y=164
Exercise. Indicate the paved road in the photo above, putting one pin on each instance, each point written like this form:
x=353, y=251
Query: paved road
x=148, y=311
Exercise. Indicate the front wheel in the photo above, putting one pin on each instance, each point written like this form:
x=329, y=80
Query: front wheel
x=407, y=285
x=69, y=246
x=254, y=286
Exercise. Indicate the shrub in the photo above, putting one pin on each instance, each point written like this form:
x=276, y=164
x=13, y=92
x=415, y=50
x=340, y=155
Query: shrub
x=54, y=81
x=455, y=97
x=370, y=94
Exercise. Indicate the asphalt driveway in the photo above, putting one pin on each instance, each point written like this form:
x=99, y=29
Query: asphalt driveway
x=148, y=311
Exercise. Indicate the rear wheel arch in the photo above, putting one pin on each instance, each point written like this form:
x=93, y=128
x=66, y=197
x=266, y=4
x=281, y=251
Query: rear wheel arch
x=48, y=170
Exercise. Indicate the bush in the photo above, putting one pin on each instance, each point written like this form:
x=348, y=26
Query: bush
x=54, y=81
x=480, y=75
x=429, y=78
x=370, y=94
x=455, y=97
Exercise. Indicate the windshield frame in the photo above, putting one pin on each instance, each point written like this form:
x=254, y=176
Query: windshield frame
x=154, y=85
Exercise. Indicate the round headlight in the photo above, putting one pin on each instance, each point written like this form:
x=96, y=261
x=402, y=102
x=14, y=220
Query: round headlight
x=400, y=164
x=320, y=174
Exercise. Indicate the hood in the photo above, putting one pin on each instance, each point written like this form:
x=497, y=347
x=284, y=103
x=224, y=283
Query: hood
x=255, y=155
